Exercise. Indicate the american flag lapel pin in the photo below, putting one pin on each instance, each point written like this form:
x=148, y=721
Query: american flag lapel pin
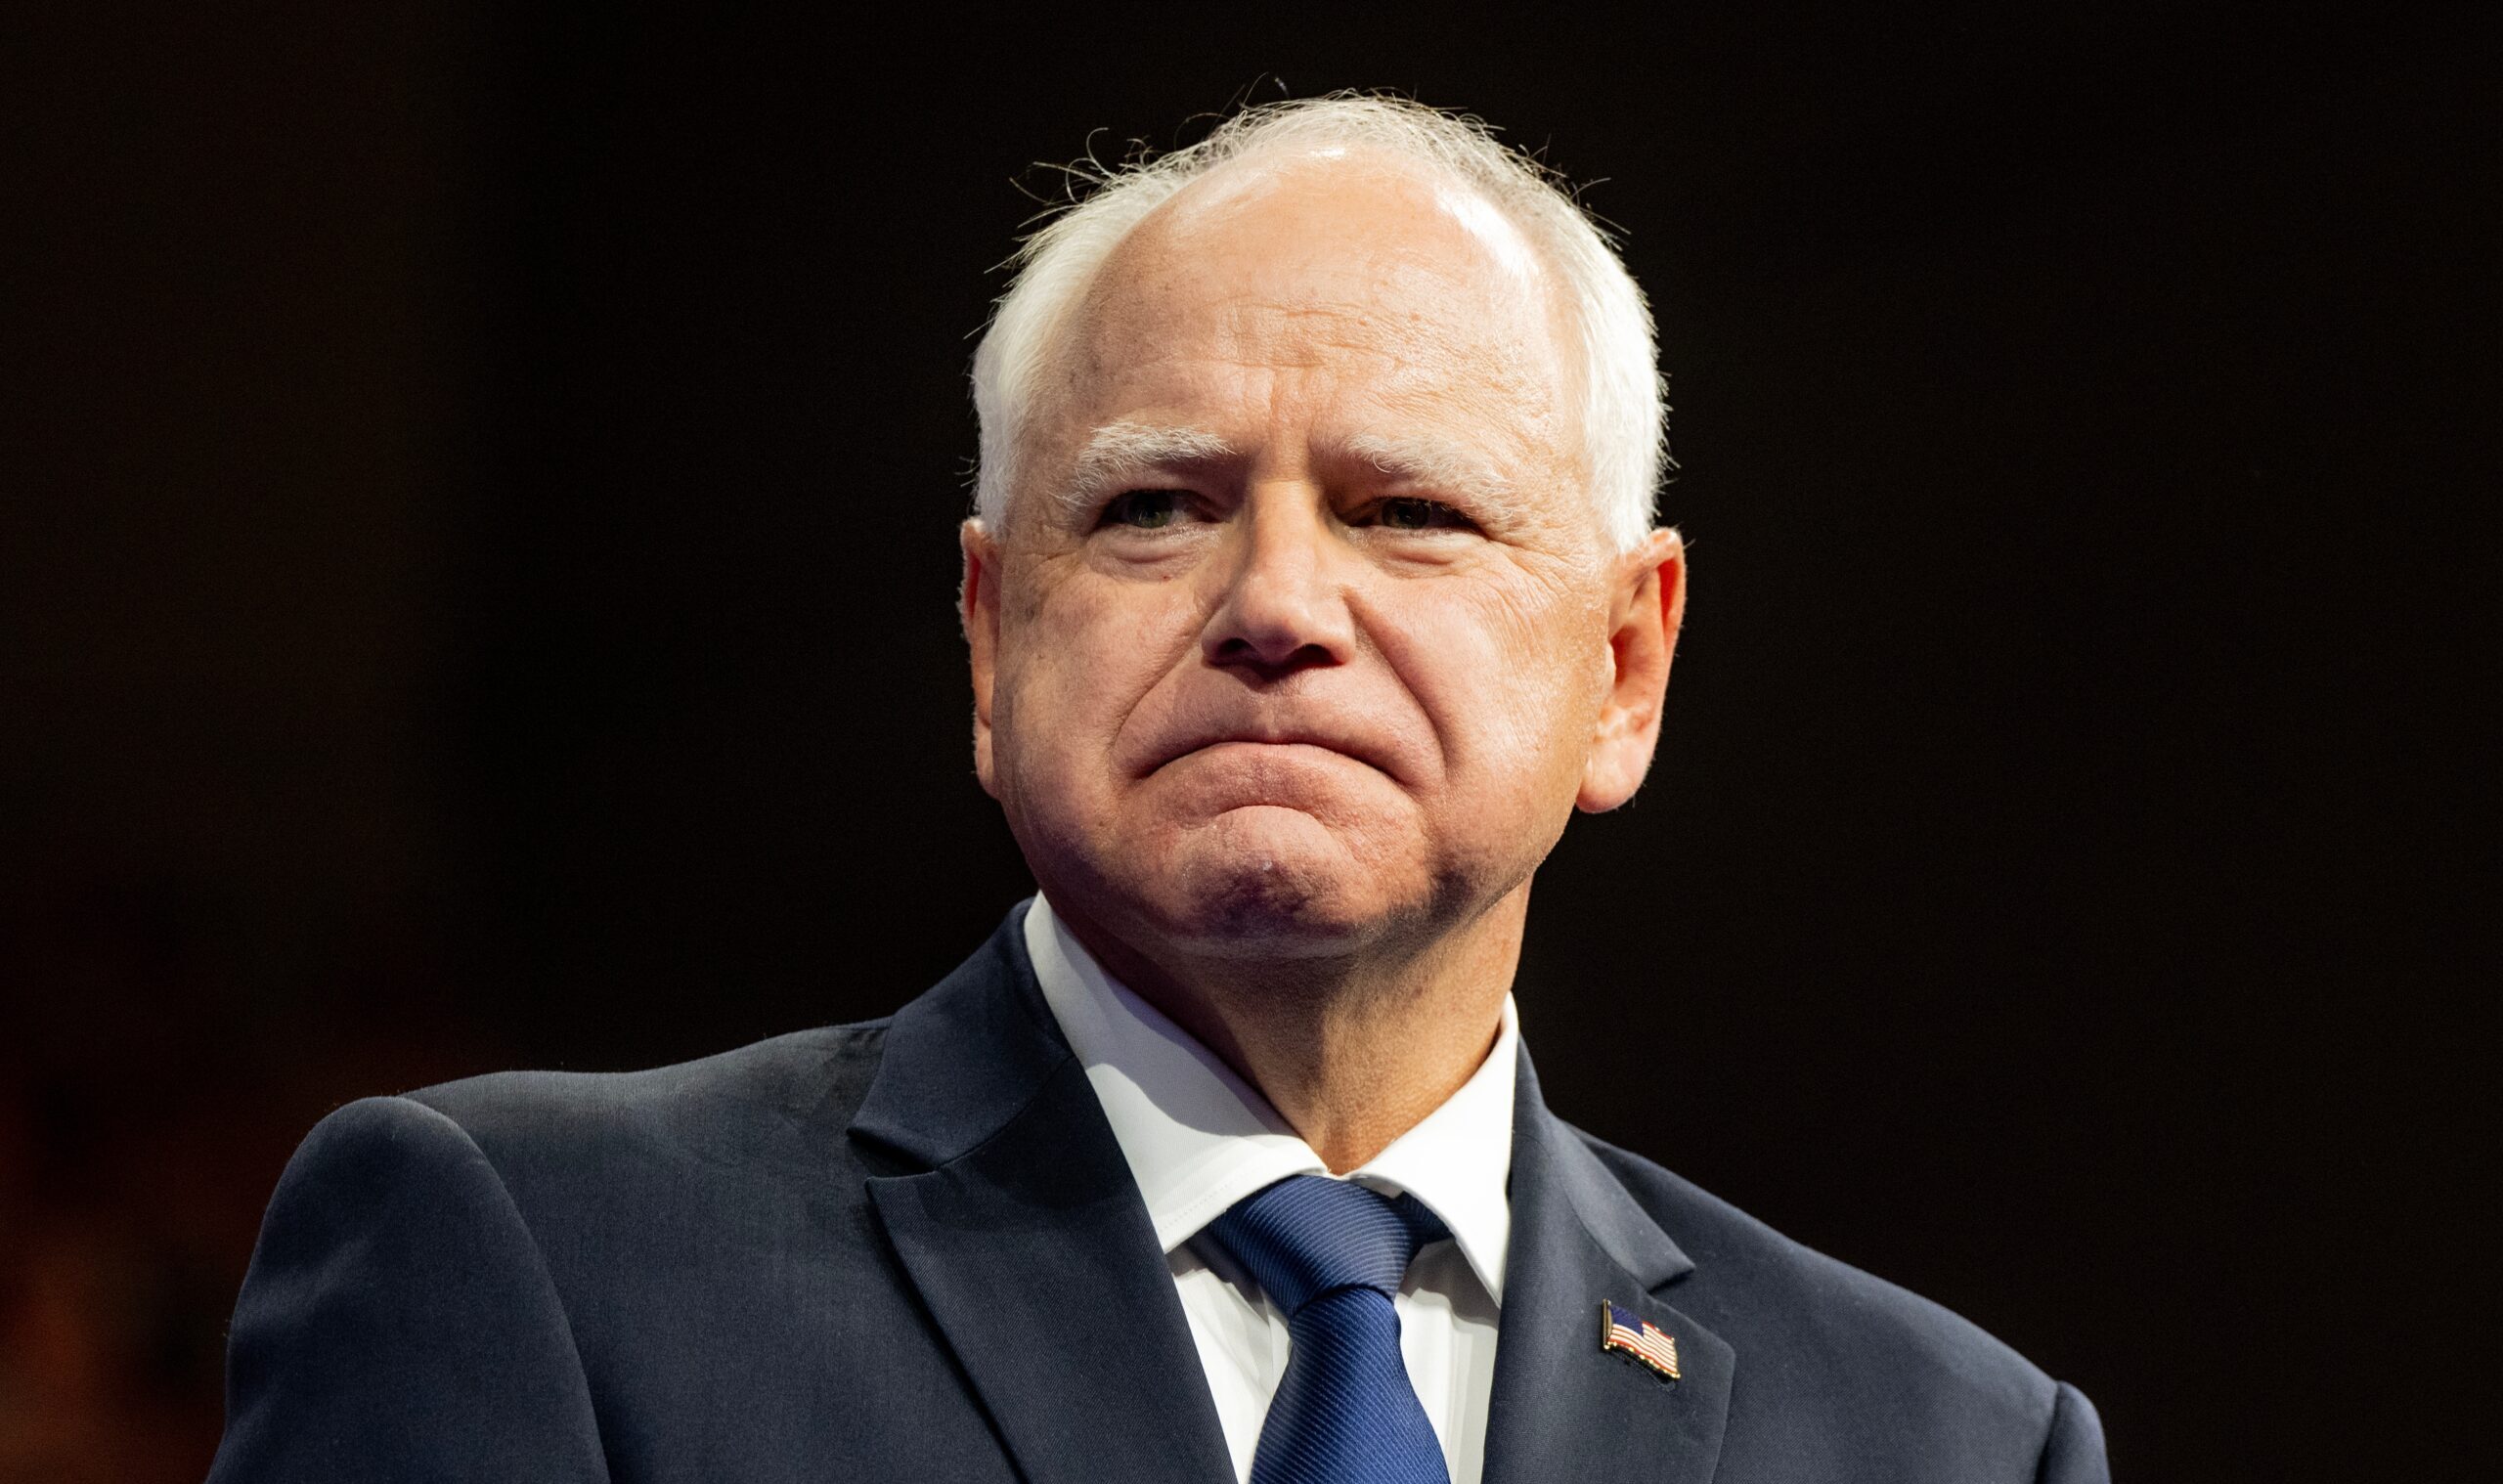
x=1622, y=1330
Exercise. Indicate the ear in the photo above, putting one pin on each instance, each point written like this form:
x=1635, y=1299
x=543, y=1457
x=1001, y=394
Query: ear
x=978, y=602
x=1649, y=608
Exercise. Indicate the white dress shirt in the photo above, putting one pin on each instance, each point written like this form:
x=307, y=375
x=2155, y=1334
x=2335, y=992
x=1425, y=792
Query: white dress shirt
x=1198, y=1138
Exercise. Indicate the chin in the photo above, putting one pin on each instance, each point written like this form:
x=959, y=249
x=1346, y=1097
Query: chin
x=1282, y=886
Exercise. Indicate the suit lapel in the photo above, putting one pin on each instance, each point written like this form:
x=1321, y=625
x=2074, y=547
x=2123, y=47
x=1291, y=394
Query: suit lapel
x=1563, y=1407
x=1024, y=1235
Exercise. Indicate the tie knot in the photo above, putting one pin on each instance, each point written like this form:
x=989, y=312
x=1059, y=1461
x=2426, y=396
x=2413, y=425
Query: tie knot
x=1308, y=1235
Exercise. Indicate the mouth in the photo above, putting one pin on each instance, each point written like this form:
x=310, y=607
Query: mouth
x=1282, y=744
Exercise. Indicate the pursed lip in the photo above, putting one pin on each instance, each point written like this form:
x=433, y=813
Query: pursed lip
x=1346, y=744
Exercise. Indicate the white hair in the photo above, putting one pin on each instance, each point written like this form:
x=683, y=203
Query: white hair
x=1625, y=409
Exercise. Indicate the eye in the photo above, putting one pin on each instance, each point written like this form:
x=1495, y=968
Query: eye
x=1144, y=510
x=1411, y=513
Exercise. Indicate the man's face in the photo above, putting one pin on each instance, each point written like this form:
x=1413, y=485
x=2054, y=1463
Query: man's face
x=1303, y=635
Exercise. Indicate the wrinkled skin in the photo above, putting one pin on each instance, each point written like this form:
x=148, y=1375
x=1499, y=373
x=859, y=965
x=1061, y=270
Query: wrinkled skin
x=1302, y=640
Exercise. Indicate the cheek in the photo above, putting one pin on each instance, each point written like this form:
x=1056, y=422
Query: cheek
x=1508, y=675
x=1075, y=658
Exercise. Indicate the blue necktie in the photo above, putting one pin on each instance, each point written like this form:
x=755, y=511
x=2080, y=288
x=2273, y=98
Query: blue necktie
x=1330, y=1254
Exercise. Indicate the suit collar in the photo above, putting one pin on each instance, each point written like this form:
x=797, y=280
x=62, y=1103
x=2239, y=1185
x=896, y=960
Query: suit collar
x=1026, y=1239
x=1568, y=1169
x=1026, y=1236
x=1563, y=1407
x=963, y=1059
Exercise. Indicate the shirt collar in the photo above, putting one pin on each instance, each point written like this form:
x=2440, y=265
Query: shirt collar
x=1197, y=1138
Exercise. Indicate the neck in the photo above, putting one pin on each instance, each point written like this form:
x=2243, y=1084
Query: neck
x=1351, y=1050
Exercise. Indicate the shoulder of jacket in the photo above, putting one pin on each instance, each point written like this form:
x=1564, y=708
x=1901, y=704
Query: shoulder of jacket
x=712, y=1108
x=1753, y=1284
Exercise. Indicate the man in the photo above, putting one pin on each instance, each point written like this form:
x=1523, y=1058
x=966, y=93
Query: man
x=1314, y=584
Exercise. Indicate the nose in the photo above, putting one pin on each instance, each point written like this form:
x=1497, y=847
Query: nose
x=1284, y=608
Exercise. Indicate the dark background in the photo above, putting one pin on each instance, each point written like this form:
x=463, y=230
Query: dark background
x=476, y=574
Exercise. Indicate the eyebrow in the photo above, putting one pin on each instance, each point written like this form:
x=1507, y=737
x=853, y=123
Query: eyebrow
x=1119, y=451
x=1437, y=465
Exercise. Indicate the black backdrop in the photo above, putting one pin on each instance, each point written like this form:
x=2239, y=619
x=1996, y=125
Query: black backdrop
x=484, y=595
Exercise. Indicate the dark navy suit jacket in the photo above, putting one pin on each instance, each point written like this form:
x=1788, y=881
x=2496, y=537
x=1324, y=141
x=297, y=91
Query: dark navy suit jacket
x=910, y=1249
